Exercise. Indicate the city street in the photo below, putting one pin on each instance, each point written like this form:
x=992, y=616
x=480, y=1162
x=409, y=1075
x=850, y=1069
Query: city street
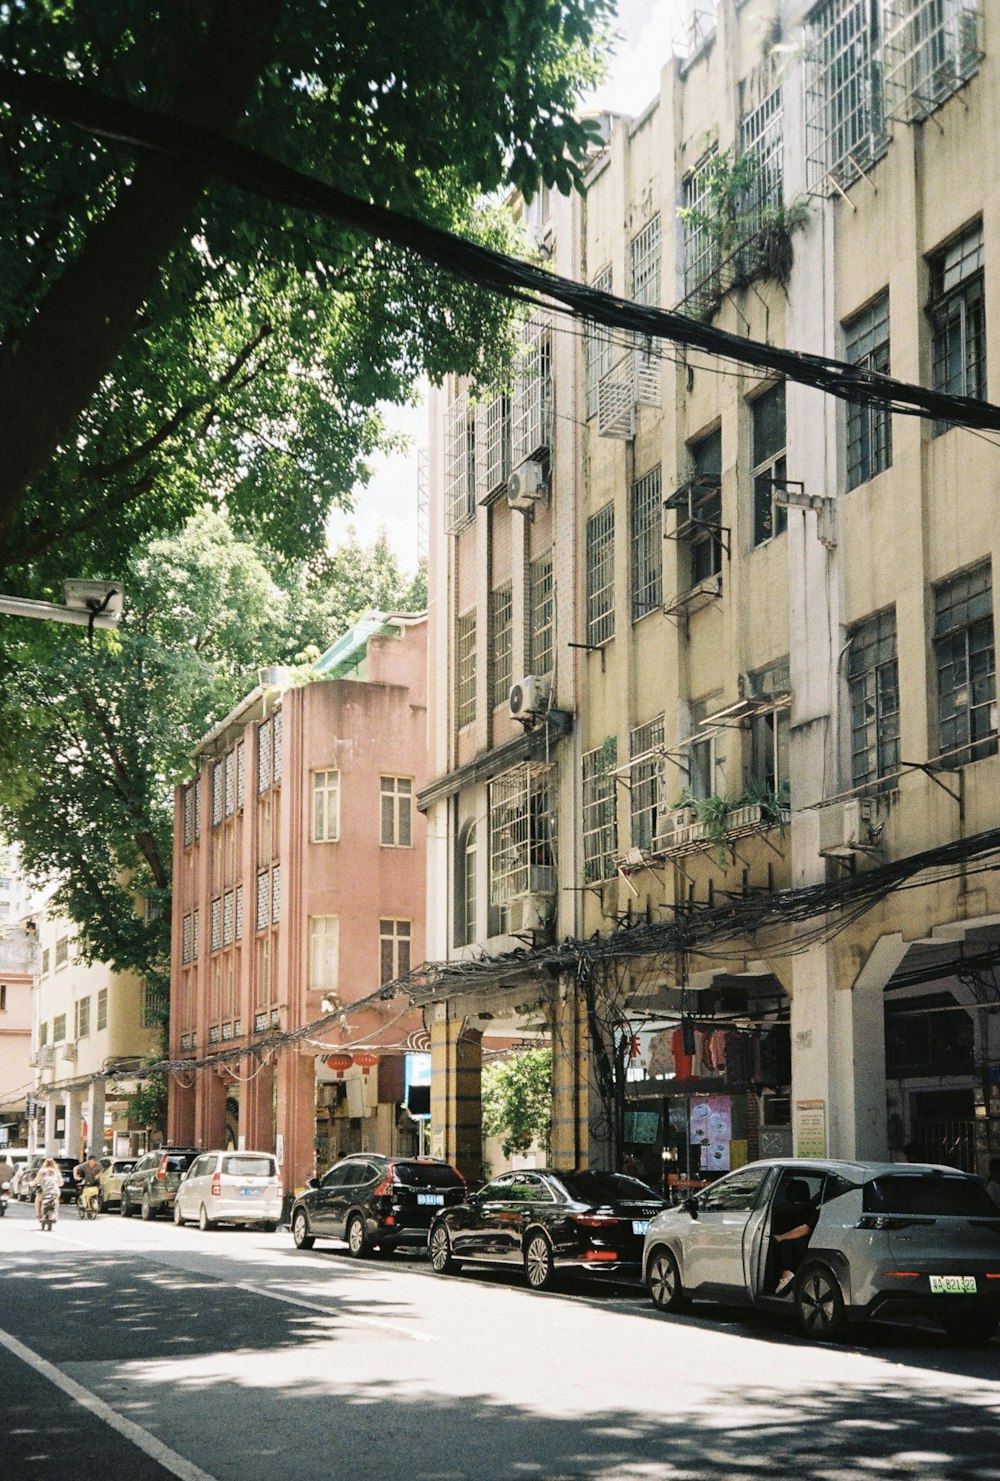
x=141, y=1351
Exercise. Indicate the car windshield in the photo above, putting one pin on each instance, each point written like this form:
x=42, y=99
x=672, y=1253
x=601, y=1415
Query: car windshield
x=248, y=1167
x=606, y=1187
x=427, y=1175
x=179, y=1164
x=928, y=1194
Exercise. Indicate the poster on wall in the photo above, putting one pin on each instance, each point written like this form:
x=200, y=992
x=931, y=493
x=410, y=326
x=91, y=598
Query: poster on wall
x=711, y=1129
x=810, y=1128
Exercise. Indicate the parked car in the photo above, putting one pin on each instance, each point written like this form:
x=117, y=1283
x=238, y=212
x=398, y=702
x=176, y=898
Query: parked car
x=375, y=1202
x=113, y=1173
x=152, y=1184
x=230, y=1188
x=887, y=1239
x=547, y=1221
x=21, y=1185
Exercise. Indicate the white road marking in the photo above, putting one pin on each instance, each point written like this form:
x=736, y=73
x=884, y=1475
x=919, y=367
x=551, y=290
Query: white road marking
x=185, y=1470
x=352, y=1318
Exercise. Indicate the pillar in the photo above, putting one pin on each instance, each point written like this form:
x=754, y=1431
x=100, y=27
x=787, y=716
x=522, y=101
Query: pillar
x=257, y=1126
x=295, y=1118
x=181, y=1111
x=95, y=1117
x=72, y=1113
x=570, y=1099
x=48, y=1137
x=210, y=1115
x=456, y=1091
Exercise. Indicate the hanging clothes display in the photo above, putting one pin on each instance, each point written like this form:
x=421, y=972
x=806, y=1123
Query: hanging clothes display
x=739, y=1060
x=660, y=1059
x=683, y=1063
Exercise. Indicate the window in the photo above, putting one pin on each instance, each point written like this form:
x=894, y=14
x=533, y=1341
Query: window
x=43, y=1035
x=601, y=576
x=873, y=682
x=501, y=644
x=932, y=47
x=326, y=806
x=263, y=972
x=644, y=257
x=465, y=669
x=188, y=808
x=531, y=404
x=701, y=242
x=703, y=760
x=465, y=914
x=394, y=949
x=869, y=428
x=195, y=933
x=241, y=775
x=81, y=1018
x=767, y=415
x=324, y=938
x=45, y=961
x=762, y=140
x=238, y=924
x=263, y=902
x=647, y=545
x=598, y=348
x=275, y=894
x=957, y=314
x=600, y=805
x=218, y=792
x=704, y=508
x=264, y=737
x=227, y=918
x=459, y=464
x=3, y=997
x=845, y=109
x=541, y=615
x=522, y=836
x=735, y=1194
x=646, y=780
x=216, y=925
x=230, y=797
x=62, y=951
x=197, y=806
x=769, y=730
x=102, y=1009
x=186, y=940
x=397, y=812
x=59, y=1028
x=966, y=666
x=493, y=434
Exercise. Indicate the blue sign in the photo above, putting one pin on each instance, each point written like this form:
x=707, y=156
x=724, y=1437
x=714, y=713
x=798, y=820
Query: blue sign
x=417, y=1084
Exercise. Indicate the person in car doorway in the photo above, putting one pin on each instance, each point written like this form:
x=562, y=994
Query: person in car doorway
x=792, y=1224
x=47, y=1178
x=87, y=1175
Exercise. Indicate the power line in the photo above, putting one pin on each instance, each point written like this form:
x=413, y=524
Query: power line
x=173, y=139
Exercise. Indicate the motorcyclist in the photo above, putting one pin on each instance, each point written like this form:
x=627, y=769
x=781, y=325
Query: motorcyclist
x=87, y=1176
x=47, y=1179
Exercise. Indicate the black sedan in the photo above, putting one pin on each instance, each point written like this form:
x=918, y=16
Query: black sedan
x=546, y=1221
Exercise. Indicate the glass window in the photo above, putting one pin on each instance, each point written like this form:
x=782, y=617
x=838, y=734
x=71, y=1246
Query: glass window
x=102, y=1009
x=767, y=415
x=465, y=914
x=522, y=835
x=644, y=257
x=394, y=949
x=59, y=1028
x=324, y=935
x=396, y=812
x=646, y=781
x=326, y=806
x=81, y=1016
x=736, y=1193
x=501, y=647
x=465, y=669
x=647, y=544
x=873, y=682
x=966, y=666
x=928, y=1195
x=600, y=823
x=460, y=464
x=957, y=312
x=869, y=428
x=845, y=110
x=541, y=615
x=601, y=576
x=598, y=347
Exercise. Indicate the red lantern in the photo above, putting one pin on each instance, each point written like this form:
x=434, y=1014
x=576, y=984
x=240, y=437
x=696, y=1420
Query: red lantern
x=366, y=1060
x=340, y=1063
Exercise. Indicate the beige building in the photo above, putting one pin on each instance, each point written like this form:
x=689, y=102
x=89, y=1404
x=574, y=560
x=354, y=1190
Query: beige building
x=749, y=626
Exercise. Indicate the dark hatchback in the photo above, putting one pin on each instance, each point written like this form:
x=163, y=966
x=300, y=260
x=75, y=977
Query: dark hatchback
x=375, y=1202
x=547, y=1221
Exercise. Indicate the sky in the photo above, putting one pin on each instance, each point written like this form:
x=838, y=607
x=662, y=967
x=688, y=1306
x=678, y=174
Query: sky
x=389, y=501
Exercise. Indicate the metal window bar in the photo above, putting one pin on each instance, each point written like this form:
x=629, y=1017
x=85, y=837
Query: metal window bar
x=230, y=783
x=932, y=47
x=216, y=924
x=647, y=544
x=598, y=348
x=459, y=464
x=522, y=832
x=531, y=404
x=241, y=775
x=276, y=750
x=958, y=319
x=238, y=913
x=501, y=646
x=264, y=756
x=600, y=823
x=966, y=666
x=218, y=792
x=276, y=894
x=197, y=805
x=263, y=900
x=644, y=256
x=465, y=669
x=227, y=918
x=873, y=683
x=541, y=615
x=645, y=781
x=762, y=140
x=186, y=940
x=701, y=245
x=616, y=401
x=845, y=109
x=195, y=934
x=188, y=807
x=869, y=428
x=492, y=447
x=601, y=576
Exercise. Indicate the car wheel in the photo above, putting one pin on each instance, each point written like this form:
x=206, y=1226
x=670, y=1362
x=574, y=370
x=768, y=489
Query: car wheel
x=204, y=1222
x=300, y=1231
x=177, y=1215
x=443, y=1262
x=145, y=1209
x=357, y=1237
x=819, y=1303
x=539, y=1266
x=663, y=1281
x=970, y=1329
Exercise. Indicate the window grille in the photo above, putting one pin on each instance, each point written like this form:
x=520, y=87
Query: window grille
x=932, y=47
x=873, y=682
x=646, y=781
x=218, y=792
x=195, y=934
x=238, y=913
x=616, y=401
x=522, y=833
x=600, y=823
x=216, y=924
x=102, y=1009
x=263, y=900
x=601, y=576
x=957, y=314
x=531, y=406
x=186, y=940
x=197, y=806
x=465, y=669
x=644, y=257
x=228, y=914
x=326, y=806
x=188, y=805
x=492, y=446
x=701, y=242
x=275, y=894
x=230, y=783
x=264, y=756
x=396, y=811
x=276, y=750
x=845, y=109
x=869, y=428
x=646, y=546
x=241, y=775
x=394, y=949
x=768, y=431
x=501, y=644
x=761, y=140
x=541, y=615
x=324, y=936
x=966, y=666
x=598, y=349
x=459, y=464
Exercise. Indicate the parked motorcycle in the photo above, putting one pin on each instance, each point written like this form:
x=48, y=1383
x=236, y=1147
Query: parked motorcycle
x=4, y=1198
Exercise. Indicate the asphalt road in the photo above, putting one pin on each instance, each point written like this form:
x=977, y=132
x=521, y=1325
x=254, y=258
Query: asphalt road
x=131, y=1351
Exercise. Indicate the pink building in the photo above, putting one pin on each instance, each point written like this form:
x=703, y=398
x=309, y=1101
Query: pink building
x=299, y=881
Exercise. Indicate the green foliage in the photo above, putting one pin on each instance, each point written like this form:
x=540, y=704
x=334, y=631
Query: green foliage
x=255, y=344
x=517, y=1100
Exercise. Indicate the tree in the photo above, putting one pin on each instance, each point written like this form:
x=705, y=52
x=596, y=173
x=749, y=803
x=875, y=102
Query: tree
x=94, y=739
x=163, y=338
x=517, y=1100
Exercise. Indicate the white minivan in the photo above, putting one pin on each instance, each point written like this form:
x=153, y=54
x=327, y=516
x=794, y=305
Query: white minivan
x=230, y=1188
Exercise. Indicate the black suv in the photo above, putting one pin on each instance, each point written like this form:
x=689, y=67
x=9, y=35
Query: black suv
x=151, y=1186
x=375, y=1202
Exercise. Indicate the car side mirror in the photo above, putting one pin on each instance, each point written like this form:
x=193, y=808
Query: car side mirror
x=312, y=1182
x=691, y=1204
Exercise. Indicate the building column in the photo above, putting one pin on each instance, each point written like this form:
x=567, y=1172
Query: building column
x=456, y=1091
x=72, y=1113
x=295, y=1118
x=570, y=1099
x=95, y=1118
x=210, y=1115
x=48, y=1137
x=181, y=1107
x=257, y=1107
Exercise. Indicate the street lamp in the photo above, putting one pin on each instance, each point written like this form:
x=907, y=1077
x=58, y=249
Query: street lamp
x=88, y=604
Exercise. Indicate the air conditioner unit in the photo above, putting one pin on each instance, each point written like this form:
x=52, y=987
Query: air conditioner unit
x=531, y=913
x=68, y=1050
x=529, y=696
x=526, y=485
x=843, y=828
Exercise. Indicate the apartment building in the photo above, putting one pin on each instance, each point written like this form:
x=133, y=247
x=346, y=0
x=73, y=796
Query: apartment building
x=299, y=879
x=745, y=628
x=18, y=969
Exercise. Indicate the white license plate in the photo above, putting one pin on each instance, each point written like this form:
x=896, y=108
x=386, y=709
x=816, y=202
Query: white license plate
x=250, y=1192
x=639, y=1226
x=433, y=1198
x=953, y=1285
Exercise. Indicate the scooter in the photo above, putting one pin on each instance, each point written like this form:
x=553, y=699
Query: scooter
x=86, y=1203
x=4, y=1198
x=50, y=1201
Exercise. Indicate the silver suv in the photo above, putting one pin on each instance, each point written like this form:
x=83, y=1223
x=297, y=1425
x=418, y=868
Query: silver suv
x=872, y=1238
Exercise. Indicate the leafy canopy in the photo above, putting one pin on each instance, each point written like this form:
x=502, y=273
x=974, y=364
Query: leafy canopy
x=517, y=1100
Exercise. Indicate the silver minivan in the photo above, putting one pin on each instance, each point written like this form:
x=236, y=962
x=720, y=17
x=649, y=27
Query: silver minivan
x=874, y=1238
x=230, y=1188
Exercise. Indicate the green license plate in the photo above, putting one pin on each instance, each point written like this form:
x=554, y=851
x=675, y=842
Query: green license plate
x=953, y=1285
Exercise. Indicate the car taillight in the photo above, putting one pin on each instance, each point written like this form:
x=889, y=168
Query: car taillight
x=594, y=1221
x=385, y=1188
x=161, y=1171
x=217, y=1186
